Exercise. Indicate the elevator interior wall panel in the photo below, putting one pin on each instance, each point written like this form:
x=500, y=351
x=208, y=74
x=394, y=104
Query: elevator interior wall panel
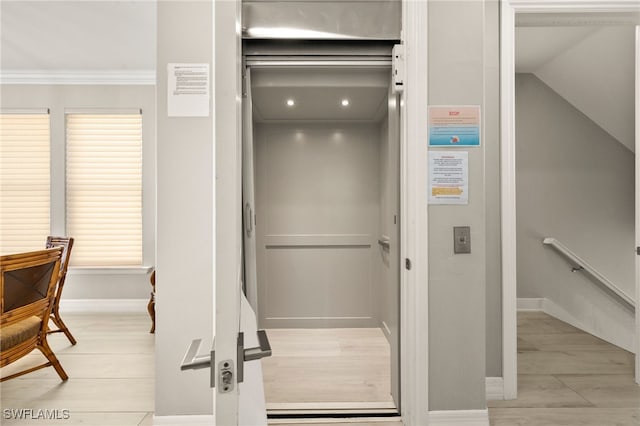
x=317, y=208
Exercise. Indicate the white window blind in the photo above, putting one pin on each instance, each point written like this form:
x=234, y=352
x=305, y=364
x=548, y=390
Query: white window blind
x=104, y=188
x=24, y=182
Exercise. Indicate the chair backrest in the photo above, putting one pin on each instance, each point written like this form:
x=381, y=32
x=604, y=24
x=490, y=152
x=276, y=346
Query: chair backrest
x=27, y=283
x=66, y=243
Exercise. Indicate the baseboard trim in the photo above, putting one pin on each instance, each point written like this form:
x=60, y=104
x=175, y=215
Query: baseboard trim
x=104, y=305
x=459, y=417
x=386, y=330
x=196, y=420
x=531, y=303
x=494, y=388
x=556, y=311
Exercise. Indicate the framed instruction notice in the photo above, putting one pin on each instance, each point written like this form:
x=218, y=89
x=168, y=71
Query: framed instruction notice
x=448, y=177
x=188, y=90
x=451, y=126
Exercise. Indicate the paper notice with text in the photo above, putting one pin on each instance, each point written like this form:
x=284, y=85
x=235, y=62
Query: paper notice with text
x=188, y=90
x=448, y=177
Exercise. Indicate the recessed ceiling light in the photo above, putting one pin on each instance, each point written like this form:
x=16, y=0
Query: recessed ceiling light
x=290, y=102
x=345, y=102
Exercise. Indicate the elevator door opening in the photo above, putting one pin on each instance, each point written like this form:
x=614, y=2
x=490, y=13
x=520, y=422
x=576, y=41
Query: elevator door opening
x=321, y=207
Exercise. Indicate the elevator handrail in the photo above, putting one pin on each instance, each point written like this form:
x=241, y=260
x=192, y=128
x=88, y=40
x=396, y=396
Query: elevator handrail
x=585, y=266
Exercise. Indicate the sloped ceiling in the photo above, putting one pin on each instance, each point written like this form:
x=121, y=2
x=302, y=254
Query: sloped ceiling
x=591, y=67
x=536, y=46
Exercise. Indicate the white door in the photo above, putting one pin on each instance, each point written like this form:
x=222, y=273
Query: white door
x=248, y=196
x=389, y=241
x=238, y=396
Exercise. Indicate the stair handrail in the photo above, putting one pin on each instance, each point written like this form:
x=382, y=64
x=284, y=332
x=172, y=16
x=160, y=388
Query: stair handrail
x=586, y=266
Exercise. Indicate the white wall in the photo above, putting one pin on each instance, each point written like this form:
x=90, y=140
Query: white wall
x=185, y=179
x=79, y=284
x=72, y=35
x=457, y=283
x=574, y=183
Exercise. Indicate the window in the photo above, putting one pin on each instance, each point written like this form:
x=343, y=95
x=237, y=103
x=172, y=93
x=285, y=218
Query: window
x=24, y=181
x=104, y=188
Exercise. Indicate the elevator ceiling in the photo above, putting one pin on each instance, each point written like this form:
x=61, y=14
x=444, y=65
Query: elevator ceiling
x=319, y=94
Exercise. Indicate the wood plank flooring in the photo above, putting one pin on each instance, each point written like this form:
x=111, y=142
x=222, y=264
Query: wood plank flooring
x=111, y=374
x=568, y=377
x=334, y=368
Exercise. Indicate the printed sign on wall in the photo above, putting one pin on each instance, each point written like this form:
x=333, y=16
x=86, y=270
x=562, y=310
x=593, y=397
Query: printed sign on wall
x=448, y=177
x=188, y=90
x=454, y=126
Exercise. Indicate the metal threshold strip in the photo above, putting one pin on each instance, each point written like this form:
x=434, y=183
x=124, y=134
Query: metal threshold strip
x=366, y=420
x=331, y=409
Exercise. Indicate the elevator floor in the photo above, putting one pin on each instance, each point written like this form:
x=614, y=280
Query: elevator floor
x=328, y=370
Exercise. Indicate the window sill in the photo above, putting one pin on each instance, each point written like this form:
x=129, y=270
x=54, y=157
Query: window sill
x=109, y=270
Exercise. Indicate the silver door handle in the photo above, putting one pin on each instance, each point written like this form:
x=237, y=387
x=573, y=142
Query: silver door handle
x=252, y=354
x=262, y=351
x=248, y=219
x=192, y=361
x=384, y=243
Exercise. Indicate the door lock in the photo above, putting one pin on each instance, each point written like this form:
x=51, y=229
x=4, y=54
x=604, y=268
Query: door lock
x=225, y=376
x=225, y=371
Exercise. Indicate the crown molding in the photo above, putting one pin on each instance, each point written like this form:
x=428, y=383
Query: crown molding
x=73, y=77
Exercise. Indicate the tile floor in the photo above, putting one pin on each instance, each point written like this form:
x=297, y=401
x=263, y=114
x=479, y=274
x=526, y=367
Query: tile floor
x=568, y=377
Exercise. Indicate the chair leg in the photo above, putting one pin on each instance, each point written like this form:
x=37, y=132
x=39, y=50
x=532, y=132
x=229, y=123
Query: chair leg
x=151, y=308
x=55, y=317
x=48, y=353
x=63, y=328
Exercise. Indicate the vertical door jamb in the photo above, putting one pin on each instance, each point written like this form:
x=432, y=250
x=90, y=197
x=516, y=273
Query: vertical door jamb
x=414, y=279
x=637, y=187
x=508, y=201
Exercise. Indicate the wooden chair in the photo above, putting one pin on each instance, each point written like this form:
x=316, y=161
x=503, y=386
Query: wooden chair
x=66, y=243
x=151, y=306
x=27, y=286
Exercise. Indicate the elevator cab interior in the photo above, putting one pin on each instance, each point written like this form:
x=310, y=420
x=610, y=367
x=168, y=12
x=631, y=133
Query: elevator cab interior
x=321, y=219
